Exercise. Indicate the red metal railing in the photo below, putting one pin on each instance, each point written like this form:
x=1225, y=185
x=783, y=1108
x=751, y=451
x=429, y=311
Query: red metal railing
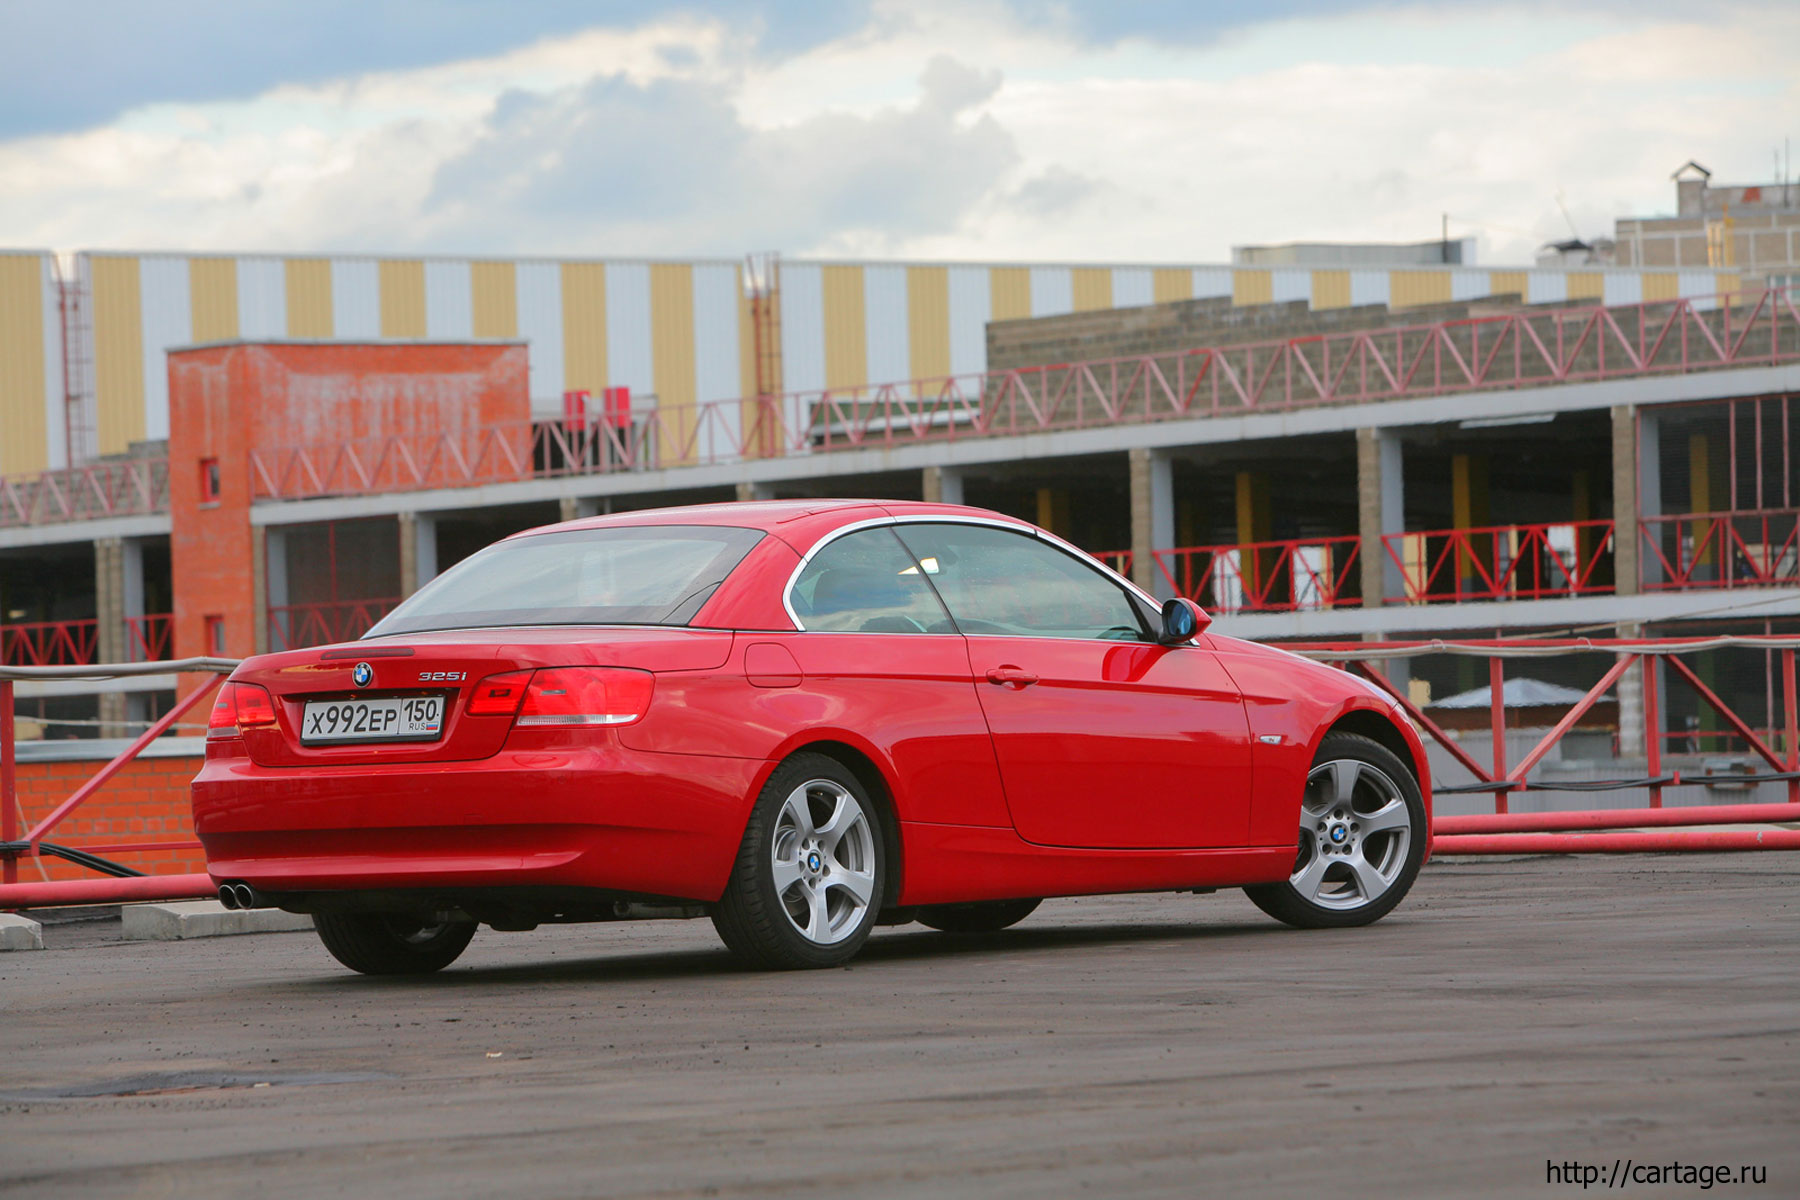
x=77, y=643
x=1500, y=832
x=292, y=626
x=1722, y=550
x=1503, y=562
x=1301, y=573
x=149, y=638
x=126, y=885
x=49, y=643
x=123, y=487
x=1504, y=832
x=1510, y=350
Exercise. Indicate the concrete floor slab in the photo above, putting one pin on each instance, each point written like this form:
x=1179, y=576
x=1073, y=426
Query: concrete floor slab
x=1510, y=1015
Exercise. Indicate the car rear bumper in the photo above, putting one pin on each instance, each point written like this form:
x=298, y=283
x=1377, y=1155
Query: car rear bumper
x=592, y=817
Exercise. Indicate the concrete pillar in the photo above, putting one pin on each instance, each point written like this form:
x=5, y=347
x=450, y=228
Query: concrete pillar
x=259, y=588
x=576, y=507
x=109, y=642
x=1380, y=509
x=942, y=485
x=425, y=548
x=1630, y=690
x=270, y=557
x=1637, y=494
x=1152, y=518
x=418, y=551
x=131, y=575
x=109, y=599
x=749, y=490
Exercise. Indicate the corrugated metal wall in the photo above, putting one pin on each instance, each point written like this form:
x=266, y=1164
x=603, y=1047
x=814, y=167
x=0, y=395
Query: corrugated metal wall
x=678, y=329
x=31, y=423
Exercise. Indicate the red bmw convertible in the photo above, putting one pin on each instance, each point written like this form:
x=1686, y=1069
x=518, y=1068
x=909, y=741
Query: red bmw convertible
x=802, y=719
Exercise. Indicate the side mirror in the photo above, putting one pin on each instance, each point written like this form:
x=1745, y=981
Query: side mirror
x=1183, y=621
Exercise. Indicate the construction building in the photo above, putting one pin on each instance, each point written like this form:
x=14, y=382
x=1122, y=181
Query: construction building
x=229, y=454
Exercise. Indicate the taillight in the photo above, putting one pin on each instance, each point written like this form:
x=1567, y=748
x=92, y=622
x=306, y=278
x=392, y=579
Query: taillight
x=586, y=696
x=240, y=706
x=498, y=695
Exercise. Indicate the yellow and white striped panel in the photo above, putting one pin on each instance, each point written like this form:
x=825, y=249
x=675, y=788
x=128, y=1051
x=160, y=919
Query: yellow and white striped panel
x=679, y=329
x=31, y=414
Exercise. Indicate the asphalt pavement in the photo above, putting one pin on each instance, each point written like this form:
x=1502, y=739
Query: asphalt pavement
x=1511, y=1016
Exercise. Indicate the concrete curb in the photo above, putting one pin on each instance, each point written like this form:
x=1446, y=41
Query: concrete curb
x=20, y=933
x=203, y=918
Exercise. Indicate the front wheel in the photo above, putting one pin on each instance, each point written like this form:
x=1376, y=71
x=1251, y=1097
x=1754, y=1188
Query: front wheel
x=1361, y=839
x=393, y=943
x=809, y=877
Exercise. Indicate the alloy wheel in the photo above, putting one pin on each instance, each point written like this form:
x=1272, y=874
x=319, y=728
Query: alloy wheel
x=1355, y=833
x=822, y=858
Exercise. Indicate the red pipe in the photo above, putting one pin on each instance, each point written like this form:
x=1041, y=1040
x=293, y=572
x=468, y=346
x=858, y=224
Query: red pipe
x=51, y=893
x=1614, y=818
x=1654, y=842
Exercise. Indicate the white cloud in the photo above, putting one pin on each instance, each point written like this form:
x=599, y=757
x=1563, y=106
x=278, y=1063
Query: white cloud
x=947, y=130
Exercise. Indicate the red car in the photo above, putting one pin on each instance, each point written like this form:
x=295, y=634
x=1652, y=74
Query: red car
x=804, y=719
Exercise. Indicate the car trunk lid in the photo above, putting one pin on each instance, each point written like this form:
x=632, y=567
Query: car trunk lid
x=446, y=664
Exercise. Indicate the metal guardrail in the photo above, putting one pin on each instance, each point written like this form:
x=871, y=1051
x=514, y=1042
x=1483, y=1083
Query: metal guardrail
x=125, y=884
x=1500, y=832
x=1505, y=832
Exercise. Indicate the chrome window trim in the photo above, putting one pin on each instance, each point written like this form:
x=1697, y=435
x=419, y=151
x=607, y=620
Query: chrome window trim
x=1020, y=527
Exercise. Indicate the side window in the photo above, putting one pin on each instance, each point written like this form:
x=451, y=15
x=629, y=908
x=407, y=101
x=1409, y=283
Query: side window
x=1012, y=584
x=865, y=582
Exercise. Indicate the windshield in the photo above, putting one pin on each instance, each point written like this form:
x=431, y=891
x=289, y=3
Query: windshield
x=638, y=575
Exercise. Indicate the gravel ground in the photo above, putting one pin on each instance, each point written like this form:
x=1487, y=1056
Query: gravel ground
x=1509, y=1015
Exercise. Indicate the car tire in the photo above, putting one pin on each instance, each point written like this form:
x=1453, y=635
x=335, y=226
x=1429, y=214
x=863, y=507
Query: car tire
x=1361, y=839
x=987, y=916
x=393, y=943
x=810, y=874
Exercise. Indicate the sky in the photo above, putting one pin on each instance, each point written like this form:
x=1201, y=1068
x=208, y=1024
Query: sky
x=1129, y=131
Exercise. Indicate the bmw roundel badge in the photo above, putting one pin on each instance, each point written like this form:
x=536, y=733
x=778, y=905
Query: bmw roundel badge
x=362, y=674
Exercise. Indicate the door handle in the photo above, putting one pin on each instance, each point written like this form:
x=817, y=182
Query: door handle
x=1011, y=675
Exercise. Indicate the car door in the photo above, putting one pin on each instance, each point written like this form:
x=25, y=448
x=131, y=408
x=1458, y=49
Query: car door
x=1104, y=738
x=878, y=655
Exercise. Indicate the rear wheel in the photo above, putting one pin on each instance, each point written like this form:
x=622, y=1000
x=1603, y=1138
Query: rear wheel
x=393, y=943
x=1361, y=839
x=810, y=875
x=988, y=916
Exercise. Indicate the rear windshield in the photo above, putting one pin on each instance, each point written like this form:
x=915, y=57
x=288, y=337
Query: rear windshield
x=641, y=575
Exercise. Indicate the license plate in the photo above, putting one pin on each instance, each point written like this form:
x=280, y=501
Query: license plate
x=399, y=719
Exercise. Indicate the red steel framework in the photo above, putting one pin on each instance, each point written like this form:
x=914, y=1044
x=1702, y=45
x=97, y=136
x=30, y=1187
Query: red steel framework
x=1281, y=576
x=294, y=625
x=1503, y=831
x=1503, y=562
x=1605, y=830
x=1722, y=550
x=77, y=643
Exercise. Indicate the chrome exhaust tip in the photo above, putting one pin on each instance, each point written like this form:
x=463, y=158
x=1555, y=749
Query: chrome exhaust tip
x=228, y=895
x=246, y=895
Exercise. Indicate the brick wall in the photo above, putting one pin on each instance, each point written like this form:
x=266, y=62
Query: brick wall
x=147, y=801
x=1191, y=324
